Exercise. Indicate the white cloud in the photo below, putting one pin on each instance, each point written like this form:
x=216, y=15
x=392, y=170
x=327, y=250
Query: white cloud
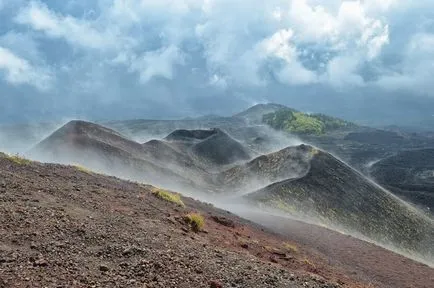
x=278, y=45
x=379, y=6
x=19, y=71
x=218, y=81
x=238, y=42
x=157, y=63
x=312, y=23
x=342, y=72
x=77, y=32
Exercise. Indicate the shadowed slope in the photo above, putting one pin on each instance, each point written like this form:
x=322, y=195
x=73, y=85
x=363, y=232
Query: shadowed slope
x=211, y=148
x=104, y=150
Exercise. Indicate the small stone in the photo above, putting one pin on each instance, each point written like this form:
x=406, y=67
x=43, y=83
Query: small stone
x=41, y=263
x=273, y=259
x=103, y=268
x=245, y=246
x=215, y=284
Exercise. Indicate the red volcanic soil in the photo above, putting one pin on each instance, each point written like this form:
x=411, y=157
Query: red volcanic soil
x=63, y=226
x=365, y=261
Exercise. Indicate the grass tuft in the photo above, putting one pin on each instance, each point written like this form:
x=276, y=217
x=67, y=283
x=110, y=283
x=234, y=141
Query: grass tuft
x=19, y=159
x=309, y=264
x=82, y=169
x=196, y=221
x=168, y=196
x=290, y=247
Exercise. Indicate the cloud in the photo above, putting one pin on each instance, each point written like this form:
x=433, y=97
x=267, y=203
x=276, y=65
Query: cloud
x=20, y=71
x=279, y=46
x=104, y=49
x=83, y=33
x=154, y=36
x=416, y=69
x=157, y=63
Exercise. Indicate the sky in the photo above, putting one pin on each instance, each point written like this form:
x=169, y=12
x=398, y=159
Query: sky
x=369, y=61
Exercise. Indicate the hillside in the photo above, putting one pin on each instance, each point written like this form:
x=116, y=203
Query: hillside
x=211, y=147
x=409, y=174
x=290, y=162
x=333, y=193
x=255, y=113
x=213, y=164
x=69, y=227
x=104, y=150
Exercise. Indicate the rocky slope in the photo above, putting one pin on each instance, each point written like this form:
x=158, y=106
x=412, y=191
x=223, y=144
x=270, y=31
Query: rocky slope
x=299, y=180
x=333, y=193
x=63, y=226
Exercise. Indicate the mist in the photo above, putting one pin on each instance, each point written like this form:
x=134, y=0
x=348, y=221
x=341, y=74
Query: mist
x=204, y=183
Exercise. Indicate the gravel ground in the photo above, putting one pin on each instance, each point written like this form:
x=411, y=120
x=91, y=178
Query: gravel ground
x=61, y=227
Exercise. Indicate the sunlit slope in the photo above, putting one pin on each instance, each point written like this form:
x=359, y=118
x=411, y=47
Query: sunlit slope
x=290, y=162
x=334, y=193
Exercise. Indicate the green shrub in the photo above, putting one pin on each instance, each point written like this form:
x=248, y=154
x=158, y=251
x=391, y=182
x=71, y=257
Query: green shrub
x=168, y=196
x=195, y=220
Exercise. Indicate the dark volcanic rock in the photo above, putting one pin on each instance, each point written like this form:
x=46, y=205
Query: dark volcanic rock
x=409, y=174
x=376, y=137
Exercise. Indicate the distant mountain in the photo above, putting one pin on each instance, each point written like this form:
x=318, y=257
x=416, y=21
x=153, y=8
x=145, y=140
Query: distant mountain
x=104, y=150
x=182, y=158
x=254, y=114
x=334, y=193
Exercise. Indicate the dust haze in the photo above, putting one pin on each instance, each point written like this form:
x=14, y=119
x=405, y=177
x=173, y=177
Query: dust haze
x=204, y=182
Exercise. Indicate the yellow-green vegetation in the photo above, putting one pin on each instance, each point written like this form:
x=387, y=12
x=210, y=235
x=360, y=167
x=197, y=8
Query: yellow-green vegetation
x=196, y=221
x=305, y=124
x=168, y=196
x=282, y=205
x=19, y=159
x=309, y=263
x=82, y=169
x=313, y=152
x=290, y=247
x=302, y=123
